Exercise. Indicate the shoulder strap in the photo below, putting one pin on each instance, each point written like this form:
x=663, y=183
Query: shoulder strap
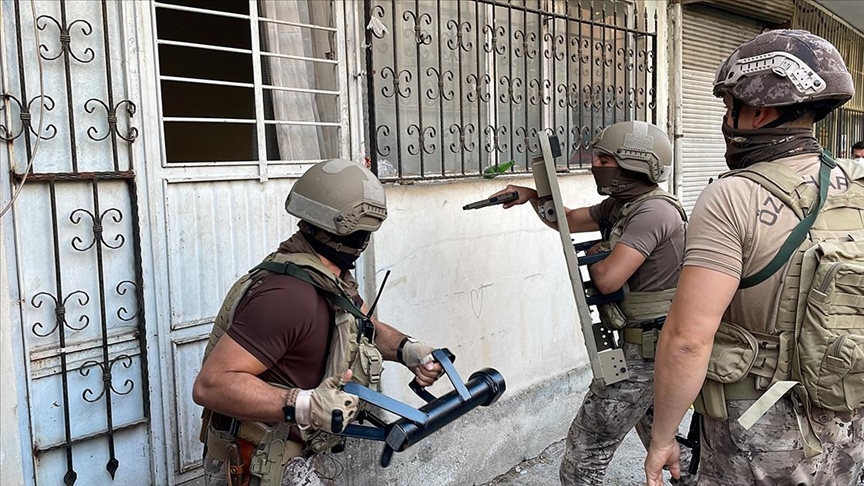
x=798, y=233
x=297, y=272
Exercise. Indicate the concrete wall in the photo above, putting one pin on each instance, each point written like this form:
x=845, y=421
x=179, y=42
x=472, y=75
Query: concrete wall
x=492, y=286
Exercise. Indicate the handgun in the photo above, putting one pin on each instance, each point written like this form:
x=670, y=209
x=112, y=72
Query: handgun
x=501, y=199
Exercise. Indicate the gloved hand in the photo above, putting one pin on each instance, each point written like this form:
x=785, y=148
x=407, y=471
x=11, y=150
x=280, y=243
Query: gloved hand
x=417, y=357
x=414, y=353
x=327, y=407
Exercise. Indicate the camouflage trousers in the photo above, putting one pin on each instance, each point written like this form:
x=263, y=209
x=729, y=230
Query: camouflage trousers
x=298, y=472
x=771, y=452
x=605, y=418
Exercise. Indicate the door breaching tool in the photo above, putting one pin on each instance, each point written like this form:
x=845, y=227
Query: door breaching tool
x=483, y=388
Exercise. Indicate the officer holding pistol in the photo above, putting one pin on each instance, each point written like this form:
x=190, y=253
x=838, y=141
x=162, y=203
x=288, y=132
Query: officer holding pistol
x=644, y=227
x=291, y=332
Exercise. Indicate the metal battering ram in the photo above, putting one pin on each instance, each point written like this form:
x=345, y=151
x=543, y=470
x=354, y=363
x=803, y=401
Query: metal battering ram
x=483, y=388
x=607, y=361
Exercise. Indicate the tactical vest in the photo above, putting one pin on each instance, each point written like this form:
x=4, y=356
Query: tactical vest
x=815, y=344
x=638, y=306
x=350, y=346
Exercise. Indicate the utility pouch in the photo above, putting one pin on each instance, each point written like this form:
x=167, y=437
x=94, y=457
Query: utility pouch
x=266, y=463
x=732, y=357
x=649, y=343
x=371, y=365
x=612, y=316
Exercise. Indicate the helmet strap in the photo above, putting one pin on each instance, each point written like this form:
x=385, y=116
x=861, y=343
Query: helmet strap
x=786, y=117
x=736, y=111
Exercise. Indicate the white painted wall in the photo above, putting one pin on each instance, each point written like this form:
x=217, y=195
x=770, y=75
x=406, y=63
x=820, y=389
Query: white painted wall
x=489, y=284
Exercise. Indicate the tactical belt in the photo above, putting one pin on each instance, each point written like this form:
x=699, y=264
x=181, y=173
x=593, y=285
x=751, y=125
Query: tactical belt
x=645, y=336
x=742, y=390
x=253, y=432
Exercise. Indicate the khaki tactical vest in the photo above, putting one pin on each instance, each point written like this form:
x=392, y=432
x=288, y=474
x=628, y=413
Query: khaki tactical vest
x=637, y=306
x=815, y=346
x=350, y=347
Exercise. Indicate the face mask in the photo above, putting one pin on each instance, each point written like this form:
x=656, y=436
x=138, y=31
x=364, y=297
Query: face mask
x=354, y=244
x=619, y=183
x=747, y=147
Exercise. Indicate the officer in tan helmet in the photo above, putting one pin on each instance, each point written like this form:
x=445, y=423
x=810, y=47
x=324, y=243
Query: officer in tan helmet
x=644, y=227
x=291, y=332
x=766, y=333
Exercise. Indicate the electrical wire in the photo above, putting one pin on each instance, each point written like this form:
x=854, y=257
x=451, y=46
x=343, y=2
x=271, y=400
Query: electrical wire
x=41, y=113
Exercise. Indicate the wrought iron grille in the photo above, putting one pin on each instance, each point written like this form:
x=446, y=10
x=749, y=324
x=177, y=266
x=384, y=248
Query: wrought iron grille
x=844, y=126
x=77, y=228
x=459, y=89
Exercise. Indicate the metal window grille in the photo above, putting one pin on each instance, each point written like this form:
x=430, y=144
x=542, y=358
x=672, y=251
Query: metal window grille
x=459, y=88
x=76, y=236
x=844, y=126
x=218, y=69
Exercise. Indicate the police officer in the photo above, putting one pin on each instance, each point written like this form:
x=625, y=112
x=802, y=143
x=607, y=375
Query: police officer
x=644, y=227
x=763, y=422
x=291, y=331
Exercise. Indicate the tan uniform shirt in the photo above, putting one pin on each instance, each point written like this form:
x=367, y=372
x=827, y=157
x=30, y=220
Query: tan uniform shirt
x=737, y=227
x=656, y=231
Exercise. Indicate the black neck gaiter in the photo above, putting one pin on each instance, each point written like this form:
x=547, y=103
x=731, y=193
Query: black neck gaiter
x=623, y=185
x=747, y=147
x=325, y=244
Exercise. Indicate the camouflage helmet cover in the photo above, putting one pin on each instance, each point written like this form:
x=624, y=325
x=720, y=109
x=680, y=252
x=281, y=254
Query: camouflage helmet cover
x=786, y=67
x=338, y=196
x=637, y=146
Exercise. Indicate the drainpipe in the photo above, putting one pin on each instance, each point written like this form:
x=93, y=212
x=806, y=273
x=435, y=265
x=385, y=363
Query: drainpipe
x=676, y=75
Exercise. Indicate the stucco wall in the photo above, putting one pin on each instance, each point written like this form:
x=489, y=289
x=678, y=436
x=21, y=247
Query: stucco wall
x=492, y=286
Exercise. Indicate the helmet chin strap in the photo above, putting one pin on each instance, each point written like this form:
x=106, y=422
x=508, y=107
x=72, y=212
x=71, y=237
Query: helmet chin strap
x=736, y=111
x=786, y=117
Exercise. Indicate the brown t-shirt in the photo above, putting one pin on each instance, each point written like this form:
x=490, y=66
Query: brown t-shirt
x=737, y=227
x=656, y=231
x=285, y=324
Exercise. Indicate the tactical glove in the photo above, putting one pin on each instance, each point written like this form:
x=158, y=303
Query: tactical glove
x=413, y=353
x=327, y=407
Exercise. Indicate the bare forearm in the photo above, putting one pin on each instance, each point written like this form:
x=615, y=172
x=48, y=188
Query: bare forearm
x=679, y=372
x=241, y=395
x=387, y=340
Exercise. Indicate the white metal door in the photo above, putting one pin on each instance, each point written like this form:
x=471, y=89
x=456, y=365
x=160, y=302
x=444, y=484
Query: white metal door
x=241, y=98
x=709, y=37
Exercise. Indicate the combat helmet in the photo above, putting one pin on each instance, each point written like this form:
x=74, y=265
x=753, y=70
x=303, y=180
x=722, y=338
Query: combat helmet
x=339, y=197
x=637, y=146
x=786, y=67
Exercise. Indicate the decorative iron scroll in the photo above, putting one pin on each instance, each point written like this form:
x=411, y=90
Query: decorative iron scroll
x=440, y=70
x=63, y=43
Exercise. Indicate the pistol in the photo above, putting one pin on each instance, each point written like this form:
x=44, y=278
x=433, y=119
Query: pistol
x=501, y=199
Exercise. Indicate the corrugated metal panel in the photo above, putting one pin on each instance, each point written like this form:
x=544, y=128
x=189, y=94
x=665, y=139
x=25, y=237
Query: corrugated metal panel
x=708, y=37
x=775, y=11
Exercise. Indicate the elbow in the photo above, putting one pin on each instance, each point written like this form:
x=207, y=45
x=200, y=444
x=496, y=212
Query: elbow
x=199, y=391
x=605, y=286
x=687, y=346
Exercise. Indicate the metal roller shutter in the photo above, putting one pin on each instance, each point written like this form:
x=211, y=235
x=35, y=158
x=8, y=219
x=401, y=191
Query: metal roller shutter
x=709, y=36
